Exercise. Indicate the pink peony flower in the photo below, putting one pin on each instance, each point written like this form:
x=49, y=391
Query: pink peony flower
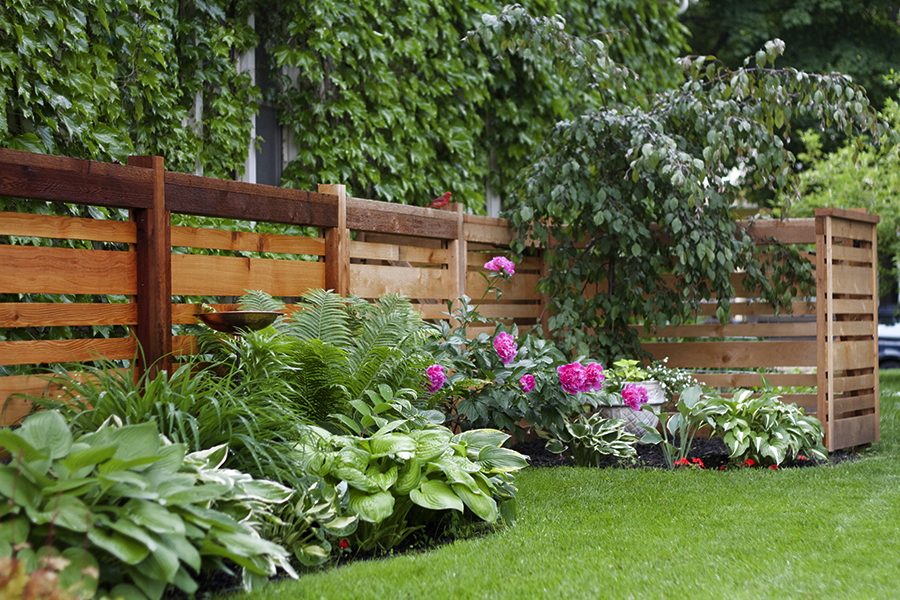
x=506, y=347
x=571, y=377
x=634, y=396
x=593, y=377
x=436, y=378
x=501, y=264
x=527, y=383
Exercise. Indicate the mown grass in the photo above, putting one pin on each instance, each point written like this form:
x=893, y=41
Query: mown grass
x=827, y=532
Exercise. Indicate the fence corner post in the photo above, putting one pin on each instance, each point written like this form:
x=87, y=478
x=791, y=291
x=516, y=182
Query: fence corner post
x=154, y=274
x=337, y=244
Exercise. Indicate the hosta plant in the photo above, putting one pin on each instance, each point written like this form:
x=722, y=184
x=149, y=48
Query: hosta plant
x=590, y=439
x=679, y=429
x=140, y=508
x=761, y=428
x=404, y=477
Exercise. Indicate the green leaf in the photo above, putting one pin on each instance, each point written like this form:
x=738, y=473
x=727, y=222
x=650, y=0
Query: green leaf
x=501, y=460
x=374, y=507
x=431, y=443
x=478, y=502
x=122, y=547
x=476, y=439
x=391, y=444
x=48, y=431
x=436, y=495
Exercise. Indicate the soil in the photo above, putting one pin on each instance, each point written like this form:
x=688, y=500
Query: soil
x=711, y=452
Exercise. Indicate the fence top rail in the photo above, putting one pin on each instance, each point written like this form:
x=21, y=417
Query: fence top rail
x=400, y=219
x=209, y=197
x=860, y=214
x=74, y=180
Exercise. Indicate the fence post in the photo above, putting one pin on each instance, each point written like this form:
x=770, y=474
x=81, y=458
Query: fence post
x=337, y=244
x=457, y=261
x=154, y=274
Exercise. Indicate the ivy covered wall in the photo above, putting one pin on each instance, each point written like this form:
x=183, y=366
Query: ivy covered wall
x=383, y=96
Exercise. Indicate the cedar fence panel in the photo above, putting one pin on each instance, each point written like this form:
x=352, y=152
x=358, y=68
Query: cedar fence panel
x=370, y=248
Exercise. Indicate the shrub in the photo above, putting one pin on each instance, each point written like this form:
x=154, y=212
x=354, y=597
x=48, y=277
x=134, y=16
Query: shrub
x=141, y=508
x=592, y=438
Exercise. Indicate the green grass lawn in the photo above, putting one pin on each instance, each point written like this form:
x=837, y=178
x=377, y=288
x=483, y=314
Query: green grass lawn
x=827, y=532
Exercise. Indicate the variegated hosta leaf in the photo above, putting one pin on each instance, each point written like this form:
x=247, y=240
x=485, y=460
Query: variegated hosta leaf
x=374, y=508
x=431, y=443
x=501, y=460
x=436, y=495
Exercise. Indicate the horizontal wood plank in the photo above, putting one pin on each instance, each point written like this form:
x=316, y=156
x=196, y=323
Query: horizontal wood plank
x=232, y=276
x=807, y=329
x=66, y=228
x=861, y=214
x=62, y=179
x=843, y=306
x=852, y=230
x=856, y=382
x=852, y=280
x=391, y=252
x=853, y=431
x=853, y=404
x=208, y=197
x=520, y=287
x=728, y=355
x=195, y=237
x=789, y=231
x=371, y=281
x=749, y=380
x=61, y=351
x=381, y=217
x=854, y=355
x=854, y=255
x=47, y=314
x=41, y=270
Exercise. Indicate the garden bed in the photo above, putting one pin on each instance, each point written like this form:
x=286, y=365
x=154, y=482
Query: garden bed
x=712, y=452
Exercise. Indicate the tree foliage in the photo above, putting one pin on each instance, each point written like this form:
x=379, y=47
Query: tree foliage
x=624, y=194
x=850, y=178
x=858, y=39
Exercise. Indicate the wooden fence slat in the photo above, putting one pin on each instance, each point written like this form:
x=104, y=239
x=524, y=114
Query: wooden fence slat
x=793, y=231
x=853, y=403
x=854, y=382
x=852, y=230
x=852, y=280
x=851, y=254
x=843, y=306
x=854, y=328
x=854, y=355
x=748, y=380
x=45, y=314
x=337, y=244
x=803, y=329
x=854, y=431
x=62, y=351
x=727, y=355
x=245, y=241
x=520, y=287
x=392, y=252
x=43, y=270
x=797, y=308
x=198, y=275
x=371, y=281
x=66, y=228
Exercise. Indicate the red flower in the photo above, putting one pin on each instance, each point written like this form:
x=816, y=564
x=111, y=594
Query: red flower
x=749, y=462
x=682, y=462
x=773, y=467
x=697, y=461
x=343, y=544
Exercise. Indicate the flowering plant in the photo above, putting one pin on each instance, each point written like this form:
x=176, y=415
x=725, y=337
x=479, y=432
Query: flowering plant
x=501, y=379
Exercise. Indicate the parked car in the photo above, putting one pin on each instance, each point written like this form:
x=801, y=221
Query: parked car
x=888, y=337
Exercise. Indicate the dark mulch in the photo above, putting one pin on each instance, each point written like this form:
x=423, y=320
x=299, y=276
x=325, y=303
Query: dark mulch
x=712, y=452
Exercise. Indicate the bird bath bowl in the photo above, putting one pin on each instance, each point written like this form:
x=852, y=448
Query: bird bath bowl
x=230, y=321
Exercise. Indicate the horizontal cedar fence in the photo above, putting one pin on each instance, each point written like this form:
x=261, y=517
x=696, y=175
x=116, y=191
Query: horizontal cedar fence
x=139, y=272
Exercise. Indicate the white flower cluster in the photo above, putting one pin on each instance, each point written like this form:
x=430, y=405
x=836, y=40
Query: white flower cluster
x=672, y=381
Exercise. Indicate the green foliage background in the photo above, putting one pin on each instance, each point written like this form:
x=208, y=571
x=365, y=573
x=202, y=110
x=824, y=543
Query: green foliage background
x=383, y=97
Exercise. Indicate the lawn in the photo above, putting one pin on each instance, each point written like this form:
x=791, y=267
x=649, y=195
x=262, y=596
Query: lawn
x=827, y=532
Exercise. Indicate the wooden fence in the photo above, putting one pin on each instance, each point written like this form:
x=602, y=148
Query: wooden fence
x=369, y=248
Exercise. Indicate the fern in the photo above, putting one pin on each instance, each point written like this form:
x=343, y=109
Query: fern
x=258, y=300
x=323, y=318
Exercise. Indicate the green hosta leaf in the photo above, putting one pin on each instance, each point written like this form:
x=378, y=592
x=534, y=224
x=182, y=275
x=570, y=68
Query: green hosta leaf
x=85, y=456
x=341, y=526
x=431, y=443
x=48, y=431
x=476, y=439
x=151, y=587
x=18, y=447
x=122, y=547
x=15, y=530
x=14, y=485
x=311, y=555
x=356, y=479
x=392, y=444
x=126, y=591
x=478, y=502
x=373, y=508
x=457, y=469
x=78, y=571
x=182, y=548
x=436, y=495
x=249, y=544
x=555, y=446
x=353, y=457
x=383, y=480
x=199, y=494
x=408, y=477
x=64, y=511
x=264, y=491
x=206, y=518
x=161, y=564
x=132, y=441
x=213, y=457
x=501, y=460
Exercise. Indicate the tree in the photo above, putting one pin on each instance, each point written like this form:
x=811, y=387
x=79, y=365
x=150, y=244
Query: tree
x=860, y=39
x=622, y=195
x=850, y=178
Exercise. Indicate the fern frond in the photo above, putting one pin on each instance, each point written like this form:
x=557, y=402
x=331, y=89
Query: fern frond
x=318, y=383
x=323, y=317
x=259, y=300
